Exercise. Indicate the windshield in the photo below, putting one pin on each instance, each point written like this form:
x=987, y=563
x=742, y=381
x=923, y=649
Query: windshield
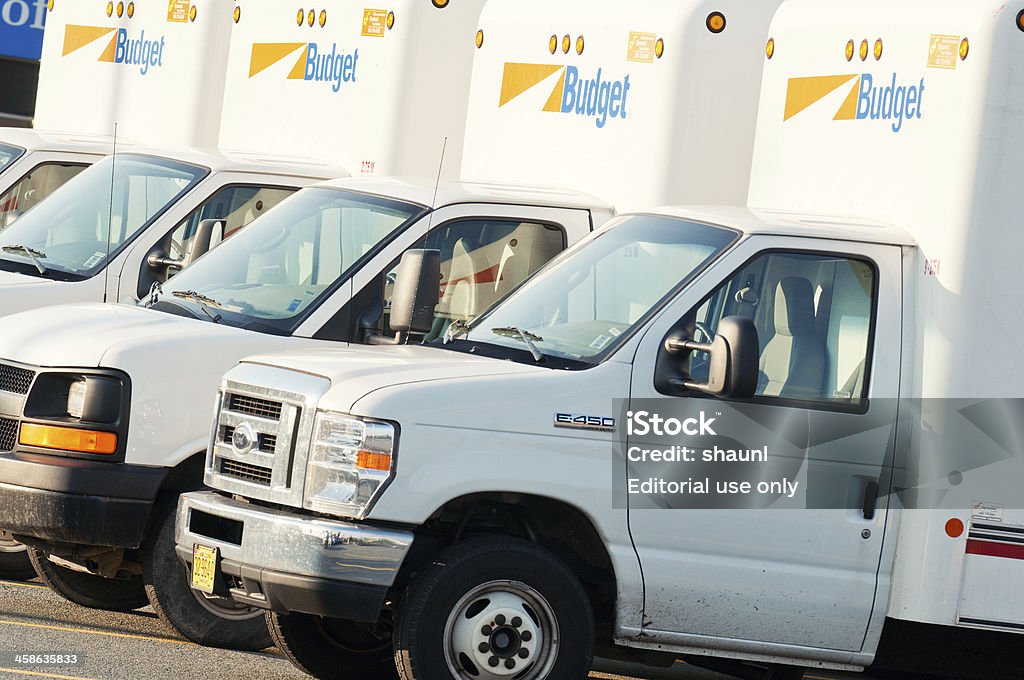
x=269, y=275
x=78, y=228
x=8, y=154
x=583, y=305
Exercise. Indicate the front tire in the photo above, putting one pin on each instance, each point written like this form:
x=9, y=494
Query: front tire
x=332, y=649
x=89, y=590
x=495, y=609
x=14, y=562
x=211, y=621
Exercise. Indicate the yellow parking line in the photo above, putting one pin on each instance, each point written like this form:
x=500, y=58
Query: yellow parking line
x=18, y=671
x=130, y=636
x=22, y=585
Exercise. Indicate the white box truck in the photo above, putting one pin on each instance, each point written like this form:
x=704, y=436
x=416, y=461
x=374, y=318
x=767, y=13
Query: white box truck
x=317, y=270
x=93, y=75
x=498, y=505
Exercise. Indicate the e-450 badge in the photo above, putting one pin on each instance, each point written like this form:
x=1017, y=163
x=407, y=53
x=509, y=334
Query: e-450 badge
x=578, y=421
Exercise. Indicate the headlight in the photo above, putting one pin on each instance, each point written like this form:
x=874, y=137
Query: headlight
x=81, y=397
x=349, y=462
x=76, y=398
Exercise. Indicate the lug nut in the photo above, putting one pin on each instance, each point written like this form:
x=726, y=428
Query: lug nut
x=500, y=619
x=493, y=662
x=484, y=647
x=486, y=630
x=527, y=636
x=516, y=622
x=523, y=652
x=510, y=663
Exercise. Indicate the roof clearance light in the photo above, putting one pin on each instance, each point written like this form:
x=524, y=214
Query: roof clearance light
x=863, y=50
x=954, y=528
x=323, y=18
x=312, y=18
x=440, y=4
x=120, y=9
x=579, y=45
x=300, y=17
x=878, y=49
x=1020, y=20
x=769, y=48
x=479, y=39
x=238, y=14
x=850, y=49
x=131, y=9
x=192, y=13
x=659, y=48
x=566, y=43
x=965, y=47
x=553, y=44
x=110, y=9
x=49, y=6
x=391, y=20
x=715, y=22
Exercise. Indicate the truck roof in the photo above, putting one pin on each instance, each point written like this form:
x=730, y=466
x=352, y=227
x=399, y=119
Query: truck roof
x=55, y=140
x=451, y=192
x=753, y=221
x=244, y=161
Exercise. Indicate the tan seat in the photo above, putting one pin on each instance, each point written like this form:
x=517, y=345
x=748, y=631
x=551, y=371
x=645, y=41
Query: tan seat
x=793, y=362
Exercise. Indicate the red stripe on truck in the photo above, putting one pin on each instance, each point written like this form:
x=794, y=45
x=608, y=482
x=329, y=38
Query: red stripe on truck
x=1010, y=550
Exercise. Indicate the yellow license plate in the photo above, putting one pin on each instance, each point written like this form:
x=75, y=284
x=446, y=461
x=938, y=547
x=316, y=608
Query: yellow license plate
x=204, y=568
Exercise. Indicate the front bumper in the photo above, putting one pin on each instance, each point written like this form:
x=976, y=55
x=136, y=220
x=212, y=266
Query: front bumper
x=73, y=501
x=289, y=562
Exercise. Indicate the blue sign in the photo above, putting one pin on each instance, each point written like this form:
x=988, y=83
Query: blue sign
x=21, y=28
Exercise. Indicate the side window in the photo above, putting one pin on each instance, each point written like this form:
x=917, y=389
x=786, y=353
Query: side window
x=42, y=181
x=813, y=315
x=237, y=205
x=481, y=261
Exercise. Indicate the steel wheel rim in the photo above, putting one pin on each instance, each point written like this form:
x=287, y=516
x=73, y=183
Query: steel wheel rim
x=487, y=615
x=9, y=545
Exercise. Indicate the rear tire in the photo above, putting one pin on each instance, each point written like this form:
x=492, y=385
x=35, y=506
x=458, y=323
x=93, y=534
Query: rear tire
x=210, y=621
x=495, y=608
x=89, y=590
x=332, y=649
x=14, y=562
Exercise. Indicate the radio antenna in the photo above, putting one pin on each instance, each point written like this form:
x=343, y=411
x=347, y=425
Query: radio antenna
x=437, y=183
x=110, y=213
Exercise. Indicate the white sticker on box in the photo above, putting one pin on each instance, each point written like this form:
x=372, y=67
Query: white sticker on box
x=992, y=512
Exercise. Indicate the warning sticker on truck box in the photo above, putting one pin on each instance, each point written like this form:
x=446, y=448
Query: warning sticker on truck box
x=374, y=22
x=641, y=47
x=943, y=51
x=177, y=10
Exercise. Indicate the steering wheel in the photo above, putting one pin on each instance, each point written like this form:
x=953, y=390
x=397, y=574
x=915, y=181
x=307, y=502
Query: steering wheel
x=703, y=328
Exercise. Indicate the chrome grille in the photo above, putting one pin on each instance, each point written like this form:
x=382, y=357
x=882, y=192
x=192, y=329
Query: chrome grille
x=255, y=406
x=265, y=442
x=247, y=472
x=8, y=434
x=15, y=380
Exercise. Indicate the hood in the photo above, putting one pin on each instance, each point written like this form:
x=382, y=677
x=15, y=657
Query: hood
x=83, y=335
x=14, y=279
x=355, y=372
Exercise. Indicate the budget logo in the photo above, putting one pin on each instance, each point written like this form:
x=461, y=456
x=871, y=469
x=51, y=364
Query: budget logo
x=574, y=93
x=122, y=48
x=313, y=62
x=893, y=100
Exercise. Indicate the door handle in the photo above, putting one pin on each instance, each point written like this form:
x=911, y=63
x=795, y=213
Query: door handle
x=870, y=498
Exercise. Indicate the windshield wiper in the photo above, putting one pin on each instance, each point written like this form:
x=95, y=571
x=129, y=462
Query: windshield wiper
x=30, y=253
x=527, y=337
x=203, y=301
x=457, y=327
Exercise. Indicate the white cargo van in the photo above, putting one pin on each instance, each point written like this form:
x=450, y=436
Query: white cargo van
x=92, y=76
x=481, y=503
x=319, y=269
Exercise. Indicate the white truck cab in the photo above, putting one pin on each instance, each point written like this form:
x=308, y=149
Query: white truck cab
x=747, y=436
x=317, y=269
x=93, y=77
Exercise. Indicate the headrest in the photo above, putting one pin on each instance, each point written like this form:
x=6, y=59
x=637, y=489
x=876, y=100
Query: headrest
x=794, y=306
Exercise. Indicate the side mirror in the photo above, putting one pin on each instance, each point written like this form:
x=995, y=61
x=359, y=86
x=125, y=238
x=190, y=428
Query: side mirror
x=415, y=296
x=208, y=234
x=732, y=370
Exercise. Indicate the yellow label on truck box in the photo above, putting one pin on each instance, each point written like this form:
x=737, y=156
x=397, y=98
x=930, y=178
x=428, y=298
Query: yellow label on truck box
x=641, y=47
x=374, y=22
x=943, y=51
x=177, y=10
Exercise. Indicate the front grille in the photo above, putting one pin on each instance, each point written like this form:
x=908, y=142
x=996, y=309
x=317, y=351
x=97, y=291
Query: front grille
x=8, y=434
x=16, y=380
x=265, y=442
x=256, y=474
x=255, y=406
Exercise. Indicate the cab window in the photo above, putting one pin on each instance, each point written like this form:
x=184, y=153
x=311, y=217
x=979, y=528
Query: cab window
x=42, y=181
